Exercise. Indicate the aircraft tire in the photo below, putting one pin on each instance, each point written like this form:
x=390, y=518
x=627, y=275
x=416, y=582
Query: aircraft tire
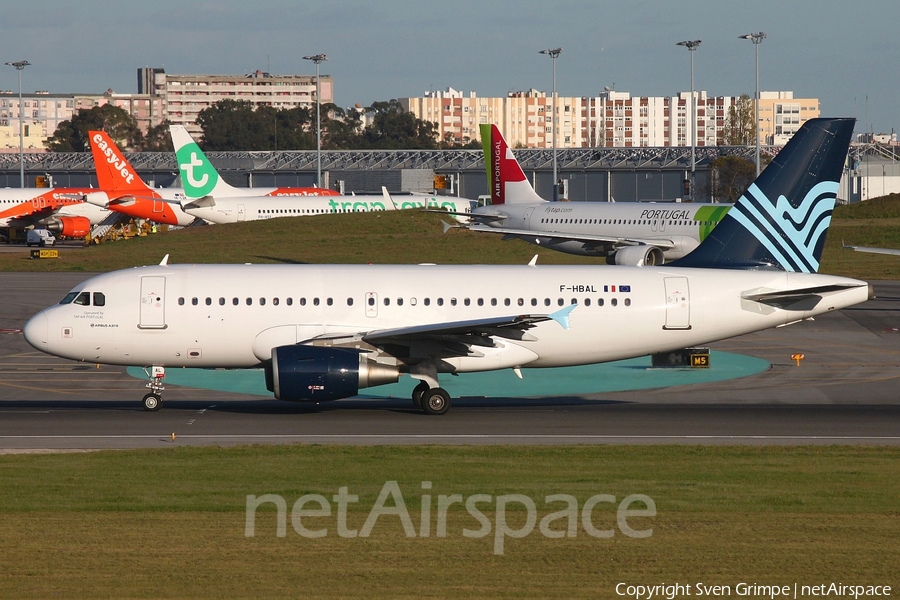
x=436, y=401
x=152, y=402
x=417, y=393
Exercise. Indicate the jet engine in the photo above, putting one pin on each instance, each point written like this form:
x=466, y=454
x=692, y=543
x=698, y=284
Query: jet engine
x=316, y=373
x=637, y=256
x=75, y=227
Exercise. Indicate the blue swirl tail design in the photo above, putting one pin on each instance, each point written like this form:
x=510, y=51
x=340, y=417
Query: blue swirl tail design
x=781, y=220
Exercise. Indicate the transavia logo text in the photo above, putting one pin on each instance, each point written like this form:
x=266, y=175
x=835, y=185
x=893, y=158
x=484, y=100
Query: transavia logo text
x=311, y=514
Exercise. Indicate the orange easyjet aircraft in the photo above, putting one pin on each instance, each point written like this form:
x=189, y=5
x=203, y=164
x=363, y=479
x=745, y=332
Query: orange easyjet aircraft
x=61, y=210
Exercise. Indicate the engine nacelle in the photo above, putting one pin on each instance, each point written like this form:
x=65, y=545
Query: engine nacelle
x=637, y=256
x=76, y=227
x=316, y=373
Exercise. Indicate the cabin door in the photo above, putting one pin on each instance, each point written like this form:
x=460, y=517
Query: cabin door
x=678, y=303
x=153, y=302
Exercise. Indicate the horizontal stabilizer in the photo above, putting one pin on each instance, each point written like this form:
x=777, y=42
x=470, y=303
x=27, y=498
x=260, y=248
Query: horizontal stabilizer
x=204, y=202
x=782, y=298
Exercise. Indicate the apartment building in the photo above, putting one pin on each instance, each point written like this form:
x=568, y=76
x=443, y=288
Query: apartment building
x=184, y=96
x=610, y=119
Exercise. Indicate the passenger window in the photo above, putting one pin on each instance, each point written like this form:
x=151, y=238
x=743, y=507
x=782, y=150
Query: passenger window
x=493, y=302
x=599, y=301
x=99, y=299
x=452, y=301
x=275, y=301
x=302, y=301
x=315, y=301
x=83, y=299
x=209, y=301
x=329, y=301
x=560, y=301
x=467, y=302
x=427, y=301
x=587, y=301
x=534, y=301
x=627, y=301
x=614, y=302
x=262, y=301
x=249, y=301
x=349, y=301
x=181, y=302
x=235, y=301
x=221, y=301
x=387, y=301
x=399, y=301
x=194, y=301
x=506, y=302
x=290, y=301
x=481, y=302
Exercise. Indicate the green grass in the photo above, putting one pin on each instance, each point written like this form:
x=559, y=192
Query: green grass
x=414, y=236
x=170, y=523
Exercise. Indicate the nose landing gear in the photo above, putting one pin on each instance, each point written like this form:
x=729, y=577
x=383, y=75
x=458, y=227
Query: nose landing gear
x=153, y=401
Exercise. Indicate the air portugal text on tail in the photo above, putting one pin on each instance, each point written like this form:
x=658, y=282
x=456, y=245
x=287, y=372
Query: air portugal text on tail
x=323, y=332
x=781, y=220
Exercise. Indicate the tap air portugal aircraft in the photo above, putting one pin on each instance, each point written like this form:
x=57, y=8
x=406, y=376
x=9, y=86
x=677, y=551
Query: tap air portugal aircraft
x=62, y=210
x=628, y=233
x=202, y=185
x=125, y=192
x=322, y=332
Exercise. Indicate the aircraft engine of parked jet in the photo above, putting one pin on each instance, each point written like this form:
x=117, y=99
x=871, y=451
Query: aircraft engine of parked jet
x=75, y=227
x=315, y=373
x=637, y=256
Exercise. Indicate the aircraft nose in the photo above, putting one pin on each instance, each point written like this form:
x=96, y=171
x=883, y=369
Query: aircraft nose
x=36, y=331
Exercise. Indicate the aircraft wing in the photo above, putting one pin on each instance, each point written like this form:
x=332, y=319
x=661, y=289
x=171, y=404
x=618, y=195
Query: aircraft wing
x=26, y=213
x=614, y=241
x=454, y=338
x=872, y=250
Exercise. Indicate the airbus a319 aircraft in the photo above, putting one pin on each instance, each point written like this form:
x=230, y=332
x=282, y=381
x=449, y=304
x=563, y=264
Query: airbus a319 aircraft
x=627, y=233
x=322, y=332
x=202, y=183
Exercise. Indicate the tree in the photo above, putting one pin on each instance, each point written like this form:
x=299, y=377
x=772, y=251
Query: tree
x=72, y=136
x=730, y=176
x=392, y=127
x=157, y=139
x=740, y=125
x=235, y=125
x=341, y=129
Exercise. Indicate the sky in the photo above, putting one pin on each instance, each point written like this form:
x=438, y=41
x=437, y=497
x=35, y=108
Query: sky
x=845, y=54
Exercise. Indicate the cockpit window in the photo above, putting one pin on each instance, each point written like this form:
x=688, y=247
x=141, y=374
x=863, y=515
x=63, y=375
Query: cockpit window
x=99, y=299
x=84, y=299
x=69, y=297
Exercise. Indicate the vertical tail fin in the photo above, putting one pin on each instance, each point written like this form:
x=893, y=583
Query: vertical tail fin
x=114, y=172
x=198, y=176
x=506, y=180
x=781, y=220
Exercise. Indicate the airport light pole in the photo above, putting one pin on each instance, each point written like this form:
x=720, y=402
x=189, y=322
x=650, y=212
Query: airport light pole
x=756, y=38
x=692, y=45
x=317, y=58
x=554, y=54
x=20, y=65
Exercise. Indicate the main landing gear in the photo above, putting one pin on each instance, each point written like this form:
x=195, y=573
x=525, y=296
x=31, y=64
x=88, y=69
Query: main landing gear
x=153, y=401
x=432, y=400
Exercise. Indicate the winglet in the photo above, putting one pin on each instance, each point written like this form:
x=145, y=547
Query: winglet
x=562, y=315
x=164, y=261
x=387, y=197
x=447, y=226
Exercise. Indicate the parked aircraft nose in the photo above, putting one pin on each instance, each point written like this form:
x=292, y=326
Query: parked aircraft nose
x=36, y=331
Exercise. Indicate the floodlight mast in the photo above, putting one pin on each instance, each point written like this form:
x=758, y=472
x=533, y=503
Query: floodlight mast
x=554, y=54
x=20, y=65
x=317, y=58
x=756, y=38
x=692, y=45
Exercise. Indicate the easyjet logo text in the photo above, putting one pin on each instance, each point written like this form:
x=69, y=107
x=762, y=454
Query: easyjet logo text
x=113, y=158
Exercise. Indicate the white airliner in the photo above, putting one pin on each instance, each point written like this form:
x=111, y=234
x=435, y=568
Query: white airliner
x=627, y=233
x=202, y=186
x=322, y=332
x=125, y=192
